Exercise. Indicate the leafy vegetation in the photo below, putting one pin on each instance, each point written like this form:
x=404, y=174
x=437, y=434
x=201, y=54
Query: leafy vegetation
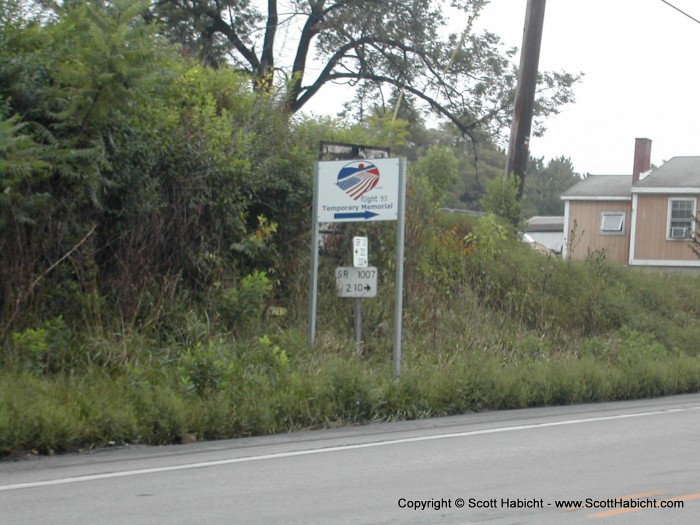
x=396, y=44
x=154, y=261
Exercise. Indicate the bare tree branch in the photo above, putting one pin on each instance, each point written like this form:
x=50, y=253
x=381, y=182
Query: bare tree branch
x=220, y=25
x=466, y=128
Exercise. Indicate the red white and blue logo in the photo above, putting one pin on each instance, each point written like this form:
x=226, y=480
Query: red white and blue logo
x=357, y=178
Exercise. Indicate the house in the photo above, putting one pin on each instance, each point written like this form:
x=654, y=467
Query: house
x=645, y=219
x=548, y=231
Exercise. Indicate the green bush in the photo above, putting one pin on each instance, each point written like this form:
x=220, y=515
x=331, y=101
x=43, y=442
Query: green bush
x=243, y=305
x=46, y=349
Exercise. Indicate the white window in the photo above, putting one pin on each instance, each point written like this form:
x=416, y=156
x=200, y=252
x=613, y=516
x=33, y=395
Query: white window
x=681, y=218
x=612, y=223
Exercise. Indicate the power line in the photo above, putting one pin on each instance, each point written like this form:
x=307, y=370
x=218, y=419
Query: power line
x=681, y=11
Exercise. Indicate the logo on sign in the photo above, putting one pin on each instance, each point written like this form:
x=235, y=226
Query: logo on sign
x=357, y=178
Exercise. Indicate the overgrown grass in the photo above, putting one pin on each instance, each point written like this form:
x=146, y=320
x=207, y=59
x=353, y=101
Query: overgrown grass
x=514, y=330
x=591, y=298
x=319, y=389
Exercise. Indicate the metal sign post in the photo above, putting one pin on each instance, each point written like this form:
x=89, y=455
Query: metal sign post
x=315, y=237
x=358, y=325
x=360, y=259
x=400, y=237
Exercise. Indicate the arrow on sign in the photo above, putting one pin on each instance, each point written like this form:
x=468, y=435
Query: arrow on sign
x=361, y=215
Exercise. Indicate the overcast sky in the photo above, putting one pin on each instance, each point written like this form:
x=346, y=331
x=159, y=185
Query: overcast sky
x=641, y=60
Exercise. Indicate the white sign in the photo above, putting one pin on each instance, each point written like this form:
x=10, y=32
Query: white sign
x=356, y=282
x=360, y=249
x=358, y=190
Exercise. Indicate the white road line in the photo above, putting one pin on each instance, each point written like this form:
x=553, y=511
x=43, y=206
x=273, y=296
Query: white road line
x=265, y=457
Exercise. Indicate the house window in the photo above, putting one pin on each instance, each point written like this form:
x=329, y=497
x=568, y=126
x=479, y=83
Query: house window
x=612, y=223
x=681, y=218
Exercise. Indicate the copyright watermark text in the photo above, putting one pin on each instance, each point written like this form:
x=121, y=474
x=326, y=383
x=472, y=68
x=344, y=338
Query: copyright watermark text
x=437, y=504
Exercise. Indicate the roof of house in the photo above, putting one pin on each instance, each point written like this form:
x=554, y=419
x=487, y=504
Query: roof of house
x=545, y=224
x=681, y=173
x=599, y=186
x=678, y=172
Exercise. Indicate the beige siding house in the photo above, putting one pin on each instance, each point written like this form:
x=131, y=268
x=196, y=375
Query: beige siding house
x=645, y=219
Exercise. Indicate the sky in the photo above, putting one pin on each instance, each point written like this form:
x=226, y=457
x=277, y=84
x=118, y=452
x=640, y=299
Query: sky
x=641, y=65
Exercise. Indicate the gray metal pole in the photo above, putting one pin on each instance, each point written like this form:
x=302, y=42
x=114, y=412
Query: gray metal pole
x=313, y=286
x=358, y=325
x=400, y=236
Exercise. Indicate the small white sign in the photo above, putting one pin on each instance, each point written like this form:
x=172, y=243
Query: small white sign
x=356, y=282
x=360, y=252
x=358, y=190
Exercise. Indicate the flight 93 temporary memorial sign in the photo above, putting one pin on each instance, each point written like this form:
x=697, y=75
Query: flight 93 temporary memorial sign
x=358, y=190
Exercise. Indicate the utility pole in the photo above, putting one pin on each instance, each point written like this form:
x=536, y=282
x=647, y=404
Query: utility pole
x=519, y=147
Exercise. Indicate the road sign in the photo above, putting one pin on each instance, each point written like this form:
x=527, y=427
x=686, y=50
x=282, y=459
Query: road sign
x=356, y=282
x=358, y=190
x=360, y=249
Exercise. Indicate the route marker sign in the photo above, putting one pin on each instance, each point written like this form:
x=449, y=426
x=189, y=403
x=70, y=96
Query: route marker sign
x=356, y=282
x=360, y=249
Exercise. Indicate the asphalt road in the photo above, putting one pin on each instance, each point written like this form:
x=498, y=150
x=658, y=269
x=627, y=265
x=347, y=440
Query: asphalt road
x=623, y=462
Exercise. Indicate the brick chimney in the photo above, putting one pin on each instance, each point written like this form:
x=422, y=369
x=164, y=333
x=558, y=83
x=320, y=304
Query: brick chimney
x=642, y=158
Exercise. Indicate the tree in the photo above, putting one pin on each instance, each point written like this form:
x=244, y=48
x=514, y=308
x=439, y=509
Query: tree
x=69, y=80
x=469, y=80
x=130, y=175
x=545, y=184
x=438, y=168
x=501, y=200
